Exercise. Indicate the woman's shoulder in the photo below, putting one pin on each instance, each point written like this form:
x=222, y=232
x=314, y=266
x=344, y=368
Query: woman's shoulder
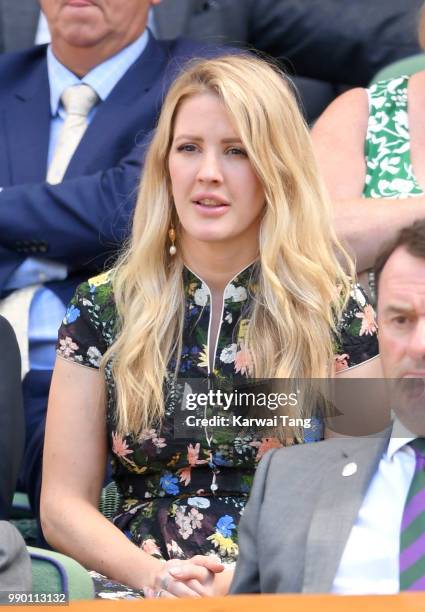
x=357, y=339
x=97, y=287
x=93, y=301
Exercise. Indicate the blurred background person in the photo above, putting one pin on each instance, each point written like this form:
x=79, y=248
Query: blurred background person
x=371, y=151
x=327, y=44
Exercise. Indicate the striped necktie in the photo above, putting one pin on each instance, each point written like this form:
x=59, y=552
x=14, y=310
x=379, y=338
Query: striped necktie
x=412, y=534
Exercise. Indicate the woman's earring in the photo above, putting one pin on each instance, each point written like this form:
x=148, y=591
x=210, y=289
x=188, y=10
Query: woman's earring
x=172, y=237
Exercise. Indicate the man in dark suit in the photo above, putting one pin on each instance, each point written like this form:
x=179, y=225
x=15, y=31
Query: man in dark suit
x=331, y=42
x=334, y=43
x=347, y=515
x=55, y=234
x=12, y=430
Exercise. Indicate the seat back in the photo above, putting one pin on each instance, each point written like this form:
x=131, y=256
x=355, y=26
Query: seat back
x=55, y=573
x=405, y=66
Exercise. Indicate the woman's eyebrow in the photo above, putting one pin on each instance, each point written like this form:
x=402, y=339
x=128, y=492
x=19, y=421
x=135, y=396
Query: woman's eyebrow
x=193, y=137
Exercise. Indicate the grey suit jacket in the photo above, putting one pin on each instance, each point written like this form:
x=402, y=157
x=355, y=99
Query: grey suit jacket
x=300, y=514
x=15, y=563
x=18, y=24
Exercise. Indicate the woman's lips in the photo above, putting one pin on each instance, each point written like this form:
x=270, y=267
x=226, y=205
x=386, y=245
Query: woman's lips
x=211, y=210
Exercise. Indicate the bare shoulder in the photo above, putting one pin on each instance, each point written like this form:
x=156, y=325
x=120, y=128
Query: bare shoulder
x=349, y=112
x=416, y=94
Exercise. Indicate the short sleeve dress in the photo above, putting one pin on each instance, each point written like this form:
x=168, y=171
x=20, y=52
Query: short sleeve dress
x=182, y=497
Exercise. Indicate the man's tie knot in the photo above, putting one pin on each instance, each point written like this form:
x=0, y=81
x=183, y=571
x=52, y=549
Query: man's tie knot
x=79, y=99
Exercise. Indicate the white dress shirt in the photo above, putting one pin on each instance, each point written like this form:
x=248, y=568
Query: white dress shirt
x=370, y=561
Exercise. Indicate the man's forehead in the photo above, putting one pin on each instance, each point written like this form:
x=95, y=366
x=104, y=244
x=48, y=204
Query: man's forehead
x=402, y=279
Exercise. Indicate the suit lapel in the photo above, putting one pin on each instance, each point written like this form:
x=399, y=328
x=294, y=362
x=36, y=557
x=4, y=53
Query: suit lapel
x=337, y=509
x=27, y=129
x=171, y=17
x=114, y=113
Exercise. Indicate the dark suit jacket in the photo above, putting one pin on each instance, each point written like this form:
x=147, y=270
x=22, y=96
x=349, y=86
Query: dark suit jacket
x=327, y=44
x=340, y=41
x=300, y=514
x=11, y=416
x=18, y=24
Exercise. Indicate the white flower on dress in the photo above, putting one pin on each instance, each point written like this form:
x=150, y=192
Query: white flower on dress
x=358, y=296
x=174, y=549
x=201, y=296
x=378, y=102
x=390, y=164
x=392, y=85
x=378, y=121
x=400, y=117
x=237, y=294
x=403, y=186
x=94, y=356
x=228, y=354
x=199, y=502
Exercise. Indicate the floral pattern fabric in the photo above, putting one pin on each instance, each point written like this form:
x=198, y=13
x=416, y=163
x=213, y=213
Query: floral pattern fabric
x=389, y=172
x=182, y=497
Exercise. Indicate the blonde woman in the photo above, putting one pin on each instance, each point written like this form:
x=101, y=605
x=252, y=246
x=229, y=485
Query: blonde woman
x=232, y=269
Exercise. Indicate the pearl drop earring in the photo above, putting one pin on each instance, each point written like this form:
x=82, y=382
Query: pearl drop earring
x=172, y=237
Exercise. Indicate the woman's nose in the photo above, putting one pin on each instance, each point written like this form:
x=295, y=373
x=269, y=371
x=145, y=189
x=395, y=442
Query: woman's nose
x=210, y=168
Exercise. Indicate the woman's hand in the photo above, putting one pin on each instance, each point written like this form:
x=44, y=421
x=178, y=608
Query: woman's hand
x=192, y=578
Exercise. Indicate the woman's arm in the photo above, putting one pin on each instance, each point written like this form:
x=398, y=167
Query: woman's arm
x=363, y=225
x=75, y=455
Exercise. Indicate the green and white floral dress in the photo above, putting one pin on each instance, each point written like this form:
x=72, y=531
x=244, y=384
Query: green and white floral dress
x=182, y=497
x=389, y=172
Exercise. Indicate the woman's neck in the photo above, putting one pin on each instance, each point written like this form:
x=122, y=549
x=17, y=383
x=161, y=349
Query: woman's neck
x=216, y=264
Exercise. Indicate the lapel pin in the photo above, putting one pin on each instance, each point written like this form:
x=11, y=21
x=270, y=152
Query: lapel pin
x=349, y=469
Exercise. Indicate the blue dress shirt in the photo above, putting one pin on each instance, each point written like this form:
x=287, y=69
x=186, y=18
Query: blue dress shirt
x=47, y=311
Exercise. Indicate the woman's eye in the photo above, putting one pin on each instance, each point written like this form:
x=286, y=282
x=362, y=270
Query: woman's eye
x=188, y=148
x=236, y=151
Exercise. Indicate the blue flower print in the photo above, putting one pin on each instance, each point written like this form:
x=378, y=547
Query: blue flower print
x=71, y=315
x=225, y=525
x=219, y=459
x=169, y=483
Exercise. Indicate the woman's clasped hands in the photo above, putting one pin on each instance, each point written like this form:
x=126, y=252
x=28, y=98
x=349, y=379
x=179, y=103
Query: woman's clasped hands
x=195, y=577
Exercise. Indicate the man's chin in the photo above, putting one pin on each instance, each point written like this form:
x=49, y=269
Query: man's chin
x=408, y=402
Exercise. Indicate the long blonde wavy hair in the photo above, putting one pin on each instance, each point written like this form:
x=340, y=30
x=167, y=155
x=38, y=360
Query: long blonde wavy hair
x=301, y=278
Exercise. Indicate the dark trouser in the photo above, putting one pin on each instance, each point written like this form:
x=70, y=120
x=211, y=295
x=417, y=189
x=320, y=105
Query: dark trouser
x=35, y=388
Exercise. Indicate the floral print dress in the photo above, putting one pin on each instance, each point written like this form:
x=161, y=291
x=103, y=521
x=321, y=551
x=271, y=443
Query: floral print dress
x=182, y=497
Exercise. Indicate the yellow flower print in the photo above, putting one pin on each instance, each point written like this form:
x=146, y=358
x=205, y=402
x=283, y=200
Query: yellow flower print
x=203, y=357
x=226, y=546
x=100, y=279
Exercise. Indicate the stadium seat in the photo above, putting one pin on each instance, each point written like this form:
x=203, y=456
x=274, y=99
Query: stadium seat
x=54, y=573
x=406, y=66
